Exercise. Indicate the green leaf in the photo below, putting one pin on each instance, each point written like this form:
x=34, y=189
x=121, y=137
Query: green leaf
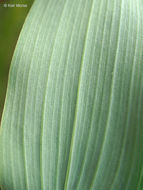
x=73, y=116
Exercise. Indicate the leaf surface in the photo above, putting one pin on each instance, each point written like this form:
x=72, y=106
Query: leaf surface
x=73, y=116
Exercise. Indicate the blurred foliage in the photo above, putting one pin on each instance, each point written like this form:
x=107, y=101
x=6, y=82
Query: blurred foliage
x=11, y=21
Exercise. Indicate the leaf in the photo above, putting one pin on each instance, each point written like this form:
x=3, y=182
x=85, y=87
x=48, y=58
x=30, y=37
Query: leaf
x=73, y=112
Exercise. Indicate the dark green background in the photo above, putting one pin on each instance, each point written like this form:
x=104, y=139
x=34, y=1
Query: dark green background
x=11, y=21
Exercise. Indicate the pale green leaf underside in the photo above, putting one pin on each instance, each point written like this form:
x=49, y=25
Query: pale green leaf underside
x=73, y=117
